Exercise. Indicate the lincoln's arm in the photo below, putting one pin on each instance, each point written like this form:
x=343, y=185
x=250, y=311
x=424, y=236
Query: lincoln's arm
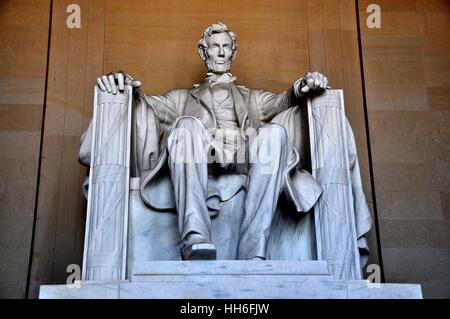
x=151, y=112
x=166, y=106
x=270, y=104
x=153, y=115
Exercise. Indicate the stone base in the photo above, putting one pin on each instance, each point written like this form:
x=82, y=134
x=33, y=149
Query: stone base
x=232, y=280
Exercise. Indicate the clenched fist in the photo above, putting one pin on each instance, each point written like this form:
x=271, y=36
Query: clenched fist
x=311, y=82
x=116, y=81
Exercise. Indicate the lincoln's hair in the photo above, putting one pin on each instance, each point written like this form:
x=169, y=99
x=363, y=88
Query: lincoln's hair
x=215, y=28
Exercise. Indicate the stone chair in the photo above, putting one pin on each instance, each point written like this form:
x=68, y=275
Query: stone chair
x=132, y=239
x=128, y=224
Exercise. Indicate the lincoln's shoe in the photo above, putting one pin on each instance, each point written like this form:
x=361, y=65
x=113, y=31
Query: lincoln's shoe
x=204, y=251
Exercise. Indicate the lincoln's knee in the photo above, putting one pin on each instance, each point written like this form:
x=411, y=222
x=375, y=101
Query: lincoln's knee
x=188, y=122
x=274, y=133
x=186, y=126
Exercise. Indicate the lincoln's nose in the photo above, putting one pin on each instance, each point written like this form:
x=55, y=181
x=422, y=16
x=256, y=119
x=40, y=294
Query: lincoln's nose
x=221, y=52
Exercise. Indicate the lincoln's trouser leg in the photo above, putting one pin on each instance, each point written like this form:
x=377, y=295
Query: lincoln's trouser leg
x=268, y=151
x=188, y=144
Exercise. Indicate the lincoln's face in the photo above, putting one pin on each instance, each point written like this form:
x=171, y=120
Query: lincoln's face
x=219, y=52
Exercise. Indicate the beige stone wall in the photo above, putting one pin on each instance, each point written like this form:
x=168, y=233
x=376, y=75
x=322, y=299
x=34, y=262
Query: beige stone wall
x=23, y=59
x=407, y=79
x=407, y=85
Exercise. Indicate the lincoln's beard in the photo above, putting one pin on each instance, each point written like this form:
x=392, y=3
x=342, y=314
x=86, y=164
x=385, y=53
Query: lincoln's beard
x=217, y=67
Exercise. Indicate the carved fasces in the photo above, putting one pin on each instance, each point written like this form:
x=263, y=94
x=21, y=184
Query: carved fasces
x=334, y=212
x=107, y=211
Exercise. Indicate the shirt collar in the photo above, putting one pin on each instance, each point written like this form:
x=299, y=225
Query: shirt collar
x=214, y=79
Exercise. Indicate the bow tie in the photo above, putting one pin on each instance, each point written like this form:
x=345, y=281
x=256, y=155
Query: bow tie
x=225, y=78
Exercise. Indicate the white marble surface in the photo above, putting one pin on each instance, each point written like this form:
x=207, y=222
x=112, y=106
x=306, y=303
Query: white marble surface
x=232, y=267
x=334, y=212
x=229, y=279
x=360, y=289
x=106, y=231
x=241, y=287
x=258, y=287
x=87, y=290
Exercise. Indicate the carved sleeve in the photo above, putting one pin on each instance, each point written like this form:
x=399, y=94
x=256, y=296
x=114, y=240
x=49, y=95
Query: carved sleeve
x=154, y=114
x=270, y=104
x=166, y=106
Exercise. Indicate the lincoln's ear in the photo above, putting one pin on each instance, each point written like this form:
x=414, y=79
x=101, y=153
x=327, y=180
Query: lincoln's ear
x=202, y=53
x=234, y=55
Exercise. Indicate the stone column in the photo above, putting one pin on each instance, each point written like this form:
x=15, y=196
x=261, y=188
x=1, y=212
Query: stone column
x=107, y=211
x=334, y=212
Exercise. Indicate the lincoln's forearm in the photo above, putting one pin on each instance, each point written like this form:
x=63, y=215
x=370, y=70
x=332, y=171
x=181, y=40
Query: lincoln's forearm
x=293, y=98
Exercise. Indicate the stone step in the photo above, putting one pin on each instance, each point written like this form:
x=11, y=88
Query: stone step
x=229, y=278
x=231, y=271
x=232, y=279
x=253, y=287
x=231, y=267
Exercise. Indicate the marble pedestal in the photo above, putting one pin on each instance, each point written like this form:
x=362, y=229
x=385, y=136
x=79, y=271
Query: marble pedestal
x=228, y=279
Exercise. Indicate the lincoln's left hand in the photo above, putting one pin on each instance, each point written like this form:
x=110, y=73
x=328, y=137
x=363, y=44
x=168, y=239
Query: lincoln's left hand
x=311, y=83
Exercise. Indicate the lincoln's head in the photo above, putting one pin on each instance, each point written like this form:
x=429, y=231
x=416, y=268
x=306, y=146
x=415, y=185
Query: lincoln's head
x=217, y=48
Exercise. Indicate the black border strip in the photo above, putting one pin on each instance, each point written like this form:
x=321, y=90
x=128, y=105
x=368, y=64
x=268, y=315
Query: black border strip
x=33, y=233
x=366, y=118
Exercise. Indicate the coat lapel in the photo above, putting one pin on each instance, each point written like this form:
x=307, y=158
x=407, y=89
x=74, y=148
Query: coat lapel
x=204, y=95
x=241, y=97
x=201, y=104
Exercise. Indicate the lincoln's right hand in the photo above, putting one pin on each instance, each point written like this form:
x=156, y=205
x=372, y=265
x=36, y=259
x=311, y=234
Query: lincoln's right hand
x=116, y=81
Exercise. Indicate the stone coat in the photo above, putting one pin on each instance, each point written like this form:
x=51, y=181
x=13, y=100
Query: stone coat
x=155, y=115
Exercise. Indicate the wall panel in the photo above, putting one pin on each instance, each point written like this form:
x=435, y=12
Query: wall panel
x=76, y=57
x=23, y=52
x=407, y=75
